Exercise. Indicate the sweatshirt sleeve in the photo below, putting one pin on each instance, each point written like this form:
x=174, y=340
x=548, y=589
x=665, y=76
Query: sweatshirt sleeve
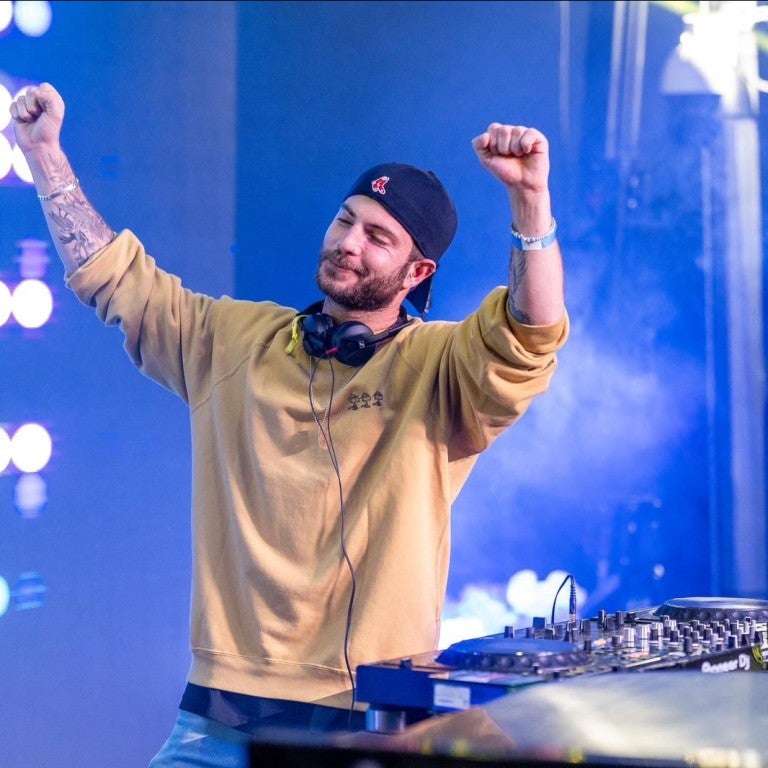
x=491, y=368
x=166, y=327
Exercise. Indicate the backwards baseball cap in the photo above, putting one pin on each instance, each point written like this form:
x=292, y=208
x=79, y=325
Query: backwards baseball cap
x=421, y=204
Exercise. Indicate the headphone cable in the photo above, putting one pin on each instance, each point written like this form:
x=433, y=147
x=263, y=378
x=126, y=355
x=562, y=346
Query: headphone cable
x=325, y=431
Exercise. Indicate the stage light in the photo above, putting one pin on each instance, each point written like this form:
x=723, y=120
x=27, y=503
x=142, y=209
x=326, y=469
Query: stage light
x=31, y=447
x=31, y=303
x=20, y=165
x=5, y=106
x=5, y=450
x=5, y=303
x=6, y=156
x=5, y=596
x=28, y=591
x=32, y=17
x=33, y=258
x=6, y=14
x=30, y=495
x=14, y=170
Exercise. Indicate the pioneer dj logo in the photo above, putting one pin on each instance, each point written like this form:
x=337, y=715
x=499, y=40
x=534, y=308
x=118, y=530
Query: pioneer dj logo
x=740, y=663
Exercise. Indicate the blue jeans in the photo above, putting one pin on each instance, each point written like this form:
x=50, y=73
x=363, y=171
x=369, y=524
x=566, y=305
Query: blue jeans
x=197, y=742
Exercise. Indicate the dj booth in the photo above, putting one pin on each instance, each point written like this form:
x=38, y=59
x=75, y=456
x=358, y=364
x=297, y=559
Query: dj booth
x=665, y=686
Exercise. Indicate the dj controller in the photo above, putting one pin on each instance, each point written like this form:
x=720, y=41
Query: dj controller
x=708, y=635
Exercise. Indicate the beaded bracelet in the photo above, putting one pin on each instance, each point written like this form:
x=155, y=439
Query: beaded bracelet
x=536, y=242
x=58, y=192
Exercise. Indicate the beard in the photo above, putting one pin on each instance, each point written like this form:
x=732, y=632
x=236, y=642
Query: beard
x=369, y=294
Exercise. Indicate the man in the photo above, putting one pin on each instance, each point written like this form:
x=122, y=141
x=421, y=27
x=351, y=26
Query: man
x=328, y=444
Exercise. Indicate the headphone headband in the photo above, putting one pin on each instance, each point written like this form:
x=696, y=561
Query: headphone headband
x=351, y=343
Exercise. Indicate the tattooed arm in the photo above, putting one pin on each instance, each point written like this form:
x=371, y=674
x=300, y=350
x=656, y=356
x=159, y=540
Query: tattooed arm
x=77, y=230
x=519, y=158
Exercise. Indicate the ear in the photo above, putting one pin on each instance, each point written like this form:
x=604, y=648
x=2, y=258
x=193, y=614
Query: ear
x=420, y=270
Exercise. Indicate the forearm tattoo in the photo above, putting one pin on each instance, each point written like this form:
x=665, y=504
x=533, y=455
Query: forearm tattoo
x=79, y=228
x=517, y=269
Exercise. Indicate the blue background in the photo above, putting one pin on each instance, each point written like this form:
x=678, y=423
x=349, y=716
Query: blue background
x=224, y=135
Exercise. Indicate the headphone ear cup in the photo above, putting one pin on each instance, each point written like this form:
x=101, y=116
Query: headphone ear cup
x=315, y=334
x=352, y=342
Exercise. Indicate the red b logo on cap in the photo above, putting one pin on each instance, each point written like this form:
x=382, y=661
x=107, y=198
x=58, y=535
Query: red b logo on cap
x=378, y=185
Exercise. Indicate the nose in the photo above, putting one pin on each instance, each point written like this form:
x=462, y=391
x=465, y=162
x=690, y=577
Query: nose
x=351, y=240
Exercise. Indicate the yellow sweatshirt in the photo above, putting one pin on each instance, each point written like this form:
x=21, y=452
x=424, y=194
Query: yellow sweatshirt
x=271, y=587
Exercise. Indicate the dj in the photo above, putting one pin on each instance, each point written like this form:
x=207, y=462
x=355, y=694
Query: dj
x=328, y=445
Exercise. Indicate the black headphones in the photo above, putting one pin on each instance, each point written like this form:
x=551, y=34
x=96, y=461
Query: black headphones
x=350, y=343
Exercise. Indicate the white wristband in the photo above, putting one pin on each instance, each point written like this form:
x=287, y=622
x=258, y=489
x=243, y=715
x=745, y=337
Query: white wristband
x=59, y=192
x=536, y=242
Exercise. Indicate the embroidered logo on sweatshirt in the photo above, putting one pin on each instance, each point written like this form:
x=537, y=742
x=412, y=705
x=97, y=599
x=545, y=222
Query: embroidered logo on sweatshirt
x=357, y=401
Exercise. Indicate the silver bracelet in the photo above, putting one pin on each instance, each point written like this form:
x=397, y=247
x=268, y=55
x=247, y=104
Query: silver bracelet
x=58, y=192
x=535, y=242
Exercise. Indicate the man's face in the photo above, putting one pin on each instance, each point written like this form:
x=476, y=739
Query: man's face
x=365, y=258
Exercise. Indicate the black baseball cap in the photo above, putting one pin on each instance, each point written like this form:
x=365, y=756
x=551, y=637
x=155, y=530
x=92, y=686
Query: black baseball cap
x=420, y=202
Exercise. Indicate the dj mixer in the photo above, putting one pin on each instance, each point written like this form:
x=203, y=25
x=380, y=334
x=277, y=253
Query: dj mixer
x=705, y=634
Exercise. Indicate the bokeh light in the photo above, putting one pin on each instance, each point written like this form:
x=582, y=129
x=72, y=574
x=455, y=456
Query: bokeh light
x=5, y=596
x=6, y=303
x=30, y=495
x=32, y=17
x=31, y=447
x=6, y=14
x=20, y=165
x=29, y=591
x=31, y=303
x=5, y=105
x=5, y=450
x=6, y=156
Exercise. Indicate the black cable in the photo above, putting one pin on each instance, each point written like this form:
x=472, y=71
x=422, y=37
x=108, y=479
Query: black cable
x=326, y=433
x=571, y=599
